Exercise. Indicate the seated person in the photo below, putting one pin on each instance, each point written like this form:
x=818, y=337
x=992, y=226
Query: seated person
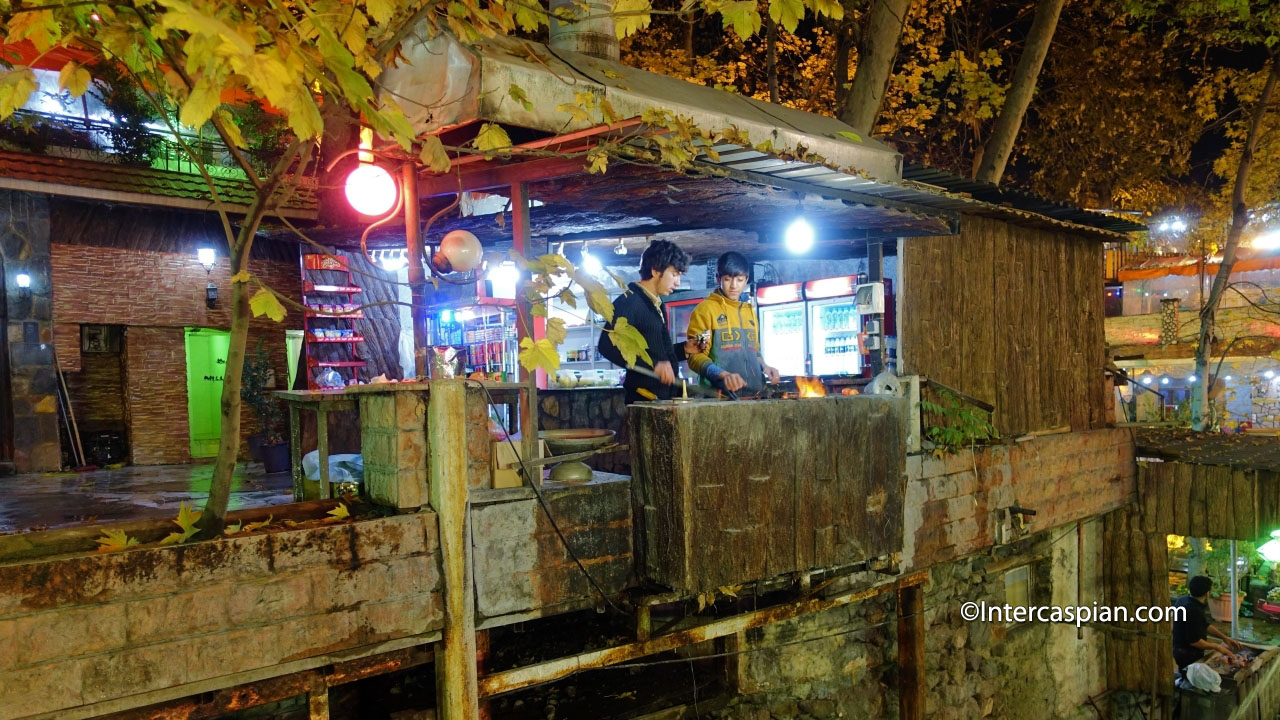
x=1191, y=635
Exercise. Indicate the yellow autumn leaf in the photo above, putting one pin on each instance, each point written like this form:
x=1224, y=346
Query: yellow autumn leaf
x=786, y=13
x=540, y=354
x=113, y=540
x=434, y=156
x=16, y=86
x=555, y=331
x=743, y=16
x=232, y=130
x=630, y=16
x=241, y=277
x=265, y=302
x=74, y=79
x=187, y=519
x=340, y=512
x=203, y=100
x=492, y=138
x=232, y=529
x=258, y=525
x=597, y=297
x=380, y=10
x=629, y=342
x=729, y=590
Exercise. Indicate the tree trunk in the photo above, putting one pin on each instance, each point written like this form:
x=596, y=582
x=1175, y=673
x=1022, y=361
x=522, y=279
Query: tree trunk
x=771, y=55
x=688, y=48
x=840, y=67
x=1239, y=219
x=995, y=155
x=876, y=51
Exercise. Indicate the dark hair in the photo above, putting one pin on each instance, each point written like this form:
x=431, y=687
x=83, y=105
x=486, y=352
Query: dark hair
x=1199, y=585
x=732, y=263
x=660, y=255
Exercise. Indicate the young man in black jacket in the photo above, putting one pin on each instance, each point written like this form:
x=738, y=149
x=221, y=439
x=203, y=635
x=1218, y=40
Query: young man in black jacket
x=661, y=266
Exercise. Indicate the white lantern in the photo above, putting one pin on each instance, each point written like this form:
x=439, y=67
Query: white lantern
x=460, y=250
x=371, y=190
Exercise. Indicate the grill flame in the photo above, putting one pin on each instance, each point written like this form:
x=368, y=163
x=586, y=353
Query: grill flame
x=810, y=387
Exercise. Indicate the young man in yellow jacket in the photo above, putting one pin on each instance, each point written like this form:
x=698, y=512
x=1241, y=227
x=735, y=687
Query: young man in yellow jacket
x=733, y=360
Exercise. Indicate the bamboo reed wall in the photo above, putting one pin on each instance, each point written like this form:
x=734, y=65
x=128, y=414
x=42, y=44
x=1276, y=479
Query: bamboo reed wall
x=1011, y=315
x=1211, y=501
x=1136, y=574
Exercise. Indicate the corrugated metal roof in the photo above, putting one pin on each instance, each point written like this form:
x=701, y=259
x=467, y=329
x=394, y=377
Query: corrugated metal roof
x=1017, y=198
x=73, y=177
x=445, y=84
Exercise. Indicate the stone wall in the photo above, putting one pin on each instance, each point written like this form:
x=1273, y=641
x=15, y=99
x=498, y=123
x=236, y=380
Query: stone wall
x=843, y=662
x=89, y=632
x=562, y=409
x=953, y=503
x=521, y=565
x=24, y=248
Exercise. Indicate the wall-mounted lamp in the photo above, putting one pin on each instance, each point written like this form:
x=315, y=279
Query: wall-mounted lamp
x=24, y=284
x=208, y=258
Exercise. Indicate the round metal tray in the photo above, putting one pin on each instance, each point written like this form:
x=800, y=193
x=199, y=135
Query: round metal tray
x=567, y=442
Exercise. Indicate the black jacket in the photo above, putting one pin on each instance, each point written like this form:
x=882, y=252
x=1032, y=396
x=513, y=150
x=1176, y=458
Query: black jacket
x=639, y=310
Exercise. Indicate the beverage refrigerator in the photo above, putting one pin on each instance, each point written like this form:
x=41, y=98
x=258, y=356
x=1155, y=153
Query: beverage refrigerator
x=678, y=313
x=484, y=333
x=834, y=325
x=783, y=333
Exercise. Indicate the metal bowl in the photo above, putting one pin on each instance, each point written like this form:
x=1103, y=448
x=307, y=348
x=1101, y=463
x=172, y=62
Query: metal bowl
x=567, y=442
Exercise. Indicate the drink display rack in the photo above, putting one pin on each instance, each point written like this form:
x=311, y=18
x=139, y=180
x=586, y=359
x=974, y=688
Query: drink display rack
x=323, y=328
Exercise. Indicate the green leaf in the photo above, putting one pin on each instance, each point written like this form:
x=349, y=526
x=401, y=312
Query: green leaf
x=492, y=138
x=848, y=135
x=517, y=94
x=434, y=156
x=786, y=13
x=627, y=338
x=74, y=79
x=264, y=302
x=540, y=354
x=741, y=15
x=555, y=331
x=830, y=8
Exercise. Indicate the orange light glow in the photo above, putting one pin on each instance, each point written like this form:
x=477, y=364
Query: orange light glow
x=810, y=387
x=829, y=287
x=778, y=294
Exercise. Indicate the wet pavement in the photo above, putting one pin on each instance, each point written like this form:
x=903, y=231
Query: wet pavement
x=30, y=502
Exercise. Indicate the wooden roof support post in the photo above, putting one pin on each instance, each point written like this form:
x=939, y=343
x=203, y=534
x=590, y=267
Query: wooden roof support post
x=417, y=273
x=456, y=696
x=911, y=662
x=527, y=326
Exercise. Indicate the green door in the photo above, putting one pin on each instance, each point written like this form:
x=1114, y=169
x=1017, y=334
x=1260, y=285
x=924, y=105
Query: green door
x=206, y=360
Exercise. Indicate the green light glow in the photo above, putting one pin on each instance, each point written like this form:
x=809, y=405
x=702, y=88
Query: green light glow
x=1270, y=550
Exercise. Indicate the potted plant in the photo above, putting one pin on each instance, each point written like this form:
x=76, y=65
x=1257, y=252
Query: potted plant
x=1217, y=565
x=258, y=376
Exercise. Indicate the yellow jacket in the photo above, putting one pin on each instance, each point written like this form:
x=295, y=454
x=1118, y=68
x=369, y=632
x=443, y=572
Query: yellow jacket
x=735, y=340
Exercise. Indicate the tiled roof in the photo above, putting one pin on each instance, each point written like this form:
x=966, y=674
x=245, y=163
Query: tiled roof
x=125, y=183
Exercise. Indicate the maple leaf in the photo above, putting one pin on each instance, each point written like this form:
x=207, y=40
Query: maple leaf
x=113, y=540
x=598, y=161
x=786, y=13
x=629, y=16
x=434, y=156
x=340, y=513
x=629, y=342
x=577, y=112
x=241, y=277
x=555, y=331
x=186, y=521
x=730, y=590
x=232, y=529
x=265, y=302
x=517, y=93
x=492, y=138
x=743, y=16
x=16, y=87
x=74, y=79
x=258, y=525
x=540, y=354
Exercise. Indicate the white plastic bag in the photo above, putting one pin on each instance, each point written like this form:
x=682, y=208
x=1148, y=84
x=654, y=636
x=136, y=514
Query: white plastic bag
x=342, y=468
x=1203, y=677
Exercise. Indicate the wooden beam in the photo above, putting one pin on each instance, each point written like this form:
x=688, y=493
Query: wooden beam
x=417, y=273
x=455, y=665
x=488, y=176
x=528, y=326
x=911, y=661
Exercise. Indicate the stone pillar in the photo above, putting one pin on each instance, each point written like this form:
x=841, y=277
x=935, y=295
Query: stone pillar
x=24, y=246
x=1169, y=321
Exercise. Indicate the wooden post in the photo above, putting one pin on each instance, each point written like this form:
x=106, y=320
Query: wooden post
x=456, y=662
x=417, y=274
x=911, y=663
x=322, y=449
x=295, y=454
x=527, y=326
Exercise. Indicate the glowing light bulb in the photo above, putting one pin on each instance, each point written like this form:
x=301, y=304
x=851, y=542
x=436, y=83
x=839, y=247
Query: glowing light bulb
x=1146, y=379
x=1191, y=378
x=591, y=264
x=799, y=237
x=371, y=190
x=23, y=280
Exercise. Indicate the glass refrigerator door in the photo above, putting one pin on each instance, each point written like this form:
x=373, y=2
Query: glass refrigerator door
x=782, y=337
x=678, y=313
x=833, y=336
